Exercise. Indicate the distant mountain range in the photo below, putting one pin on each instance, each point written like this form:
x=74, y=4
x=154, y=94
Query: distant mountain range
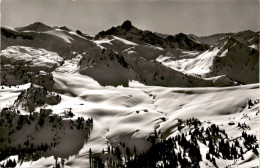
x=247, y=37
x=124, y=53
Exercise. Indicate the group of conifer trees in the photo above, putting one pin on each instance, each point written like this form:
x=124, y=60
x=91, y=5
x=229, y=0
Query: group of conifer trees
x=180, y=150
x=11, y=122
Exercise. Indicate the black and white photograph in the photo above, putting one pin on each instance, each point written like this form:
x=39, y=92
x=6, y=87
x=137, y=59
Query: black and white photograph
x=129, y=84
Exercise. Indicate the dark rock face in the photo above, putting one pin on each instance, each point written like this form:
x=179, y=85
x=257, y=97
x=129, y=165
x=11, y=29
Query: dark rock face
x=79, y=32
x=65, y=28
x=13, y=35
x=153, y=39
x=184, y=42
x=127, y=25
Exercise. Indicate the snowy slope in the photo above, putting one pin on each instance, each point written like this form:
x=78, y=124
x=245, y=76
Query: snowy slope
x=227, y=57
x=57, y=40
x=36, y=58
x=131, y=114
x=201, y=64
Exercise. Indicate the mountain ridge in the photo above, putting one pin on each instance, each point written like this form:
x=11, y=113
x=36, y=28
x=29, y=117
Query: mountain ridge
x=37, y=26
x=127, y=30
x=110, y=53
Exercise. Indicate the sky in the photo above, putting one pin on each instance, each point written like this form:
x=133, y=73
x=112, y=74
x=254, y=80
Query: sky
x=200, y=17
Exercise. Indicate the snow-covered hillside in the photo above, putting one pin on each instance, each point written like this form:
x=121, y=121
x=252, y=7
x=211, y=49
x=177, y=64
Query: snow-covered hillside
x=130, y=115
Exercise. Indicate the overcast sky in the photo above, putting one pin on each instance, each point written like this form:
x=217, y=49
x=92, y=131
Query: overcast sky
x=202, y=17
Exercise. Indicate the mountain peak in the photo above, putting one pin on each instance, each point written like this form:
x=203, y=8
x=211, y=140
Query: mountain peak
x=37, y=26
x=127, y=25
x=65, y=28
x=226, y=42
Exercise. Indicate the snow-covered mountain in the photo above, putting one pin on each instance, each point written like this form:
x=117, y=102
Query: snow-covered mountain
x=129, y=32
x=236, y=60
x=247, y=37
x=128, y=98
x=236, y=57
x=115, y=58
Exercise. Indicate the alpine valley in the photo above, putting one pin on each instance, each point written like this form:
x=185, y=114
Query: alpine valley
x=127, y=97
